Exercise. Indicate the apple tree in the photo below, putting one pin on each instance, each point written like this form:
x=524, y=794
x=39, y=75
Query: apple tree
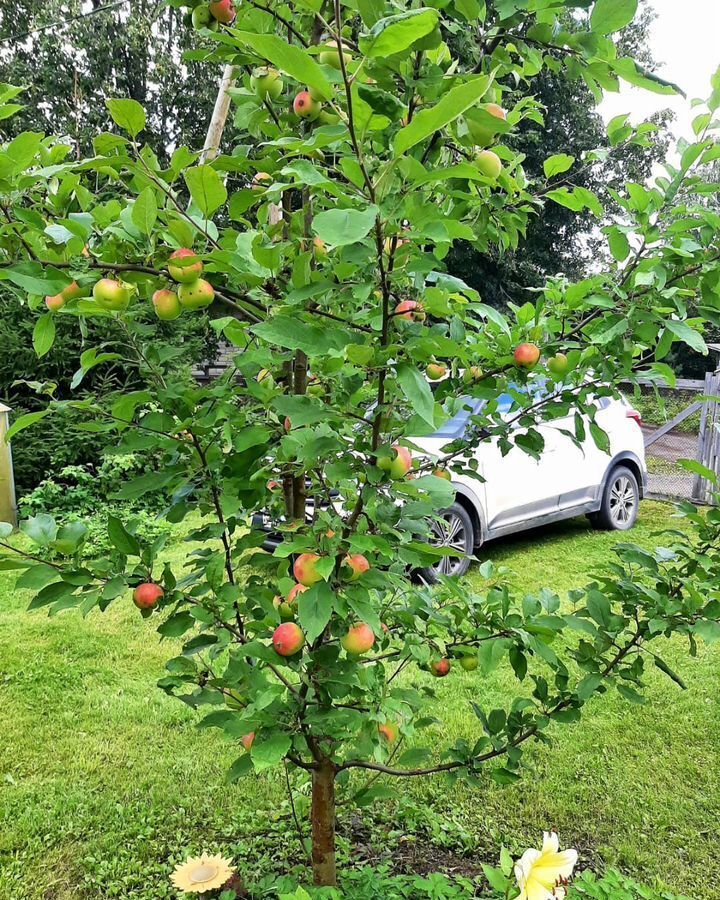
x=315, y=243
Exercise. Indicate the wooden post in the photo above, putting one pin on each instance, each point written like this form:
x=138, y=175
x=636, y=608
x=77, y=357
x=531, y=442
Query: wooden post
x=8, y=510
x=219, y=117
x=708, y=452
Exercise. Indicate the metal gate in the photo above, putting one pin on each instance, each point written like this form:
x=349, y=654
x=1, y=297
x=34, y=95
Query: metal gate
x=694, y=433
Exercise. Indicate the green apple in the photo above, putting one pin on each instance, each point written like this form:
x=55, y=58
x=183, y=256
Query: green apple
x=267, y=83
x=196, y=295
x=112, y=295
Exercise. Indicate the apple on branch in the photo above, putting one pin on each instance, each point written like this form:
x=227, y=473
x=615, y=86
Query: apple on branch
x=196, y=295
x=483, y=134
x=526, y=355
x=147, y=595
x=305, y=106
x=71, y=292
x=354, y=566
x=305, y=569
x=112, y=295
x=184, y=266
x=358, y=640
x=167, y=305
x=223, y=11
x=288, y=639
x=267, y=83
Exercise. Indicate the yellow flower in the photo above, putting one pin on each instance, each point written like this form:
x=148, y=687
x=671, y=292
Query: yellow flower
x=205, y=873
x=541, y=874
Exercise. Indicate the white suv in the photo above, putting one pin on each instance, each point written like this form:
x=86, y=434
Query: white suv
x=519, y=492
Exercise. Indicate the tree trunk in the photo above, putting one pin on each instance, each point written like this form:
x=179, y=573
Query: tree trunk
x=323, y=825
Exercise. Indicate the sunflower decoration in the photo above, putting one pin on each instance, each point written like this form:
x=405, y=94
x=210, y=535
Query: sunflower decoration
x=199, y=874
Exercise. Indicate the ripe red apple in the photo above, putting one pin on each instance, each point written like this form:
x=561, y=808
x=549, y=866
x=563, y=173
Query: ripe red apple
x=440, y=667
x=357, y=565
x=71, y=292
x=196, y=295
x=267, y=83
x=358, y=640
x=481, y=133
x=410, y=310
x=389, y=731
x=247, y=740
x=146, y=595
x=295, y=592
x=558, y=364
x=469, y=663
x=55, y=302
x=436, y=371
x=329, y=56
x=223, y=11
x=526, y=355
x=306, y=106
x=287, y=639
x=111, y=295
x=489, y=164
x=305, y=569
x=402, y=463
x=187, y=268
x=167, y=306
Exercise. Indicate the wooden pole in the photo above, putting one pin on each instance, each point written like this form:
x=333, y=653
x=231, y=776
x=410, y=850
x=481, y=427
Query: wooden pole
x=219, y=117
x=8, y=512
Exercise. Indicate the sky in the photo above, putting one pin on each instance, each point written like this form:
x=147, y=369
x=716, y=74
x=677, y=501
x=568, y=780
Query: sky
x=685, y=41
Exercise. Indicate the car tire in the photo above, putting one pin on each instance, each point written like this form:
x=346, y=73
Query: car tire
x=620, y=501
x=458, y=531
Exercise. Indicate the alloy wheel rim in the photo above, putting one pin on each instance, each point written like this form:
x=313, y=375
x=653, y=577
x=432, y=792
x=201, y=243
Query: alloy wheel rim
x=449, y=532
x=622, y=500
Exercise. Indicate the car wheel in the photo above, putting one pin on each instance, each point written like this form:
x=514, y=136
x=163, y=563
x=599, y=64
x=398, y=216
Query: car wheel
x=454, y=529
x=620, y=501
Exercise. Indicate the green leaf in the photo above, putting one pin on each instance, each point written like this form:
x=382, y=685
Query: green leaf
x=36, y=279
x=121, y=538
x=128, y=115
x=557, y=164
x=37, y=577
x=339, y=227
x=6, y=529
x=269, y=749
x=697, y=468
x=449, y=107
x=206, y=188
x=619, y=244
x=588, y=686
x=70, y=538
x=612, y=15
x=44, y=334
x=709, y=631
x=41, y=529
x=144, y=211
x=394, y=34
x=664, y=667
x=417, y=390
x=315, y=607
x=687, y=335
x=289, y=58
x=25, y=422
x=176, y=625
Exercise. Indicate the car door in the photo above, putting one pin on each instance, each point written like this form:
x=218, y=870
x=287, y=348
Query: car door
x=519, y=488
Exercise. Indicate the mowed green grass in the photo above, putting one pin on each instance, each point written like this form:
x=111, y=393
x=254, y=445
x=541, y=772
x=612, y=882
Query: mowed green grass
x=105, y=782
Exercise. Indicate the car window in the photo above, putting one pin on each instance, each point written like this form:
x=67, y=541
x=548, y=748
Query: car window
x=456, y=426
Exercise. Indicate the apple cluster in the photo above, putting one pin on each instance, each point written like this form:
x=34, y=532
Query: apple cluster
x=212, y=15
x=193, y=291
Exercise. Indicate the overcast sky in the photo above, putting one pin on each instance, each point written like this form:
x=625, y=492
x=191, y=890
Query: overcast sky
x=685, y=41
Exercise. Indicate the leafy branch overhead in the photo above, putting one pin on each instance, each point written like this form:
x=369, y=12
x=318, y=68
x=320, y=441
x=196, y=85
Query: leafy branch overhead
x=317, y=245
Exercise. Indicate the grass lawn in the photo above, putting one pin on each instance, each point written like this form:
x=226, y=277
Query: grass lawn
x=105, y=782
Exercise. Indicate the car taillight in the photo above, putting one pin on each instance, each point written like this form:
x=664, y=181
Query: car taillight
x=635, y=415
